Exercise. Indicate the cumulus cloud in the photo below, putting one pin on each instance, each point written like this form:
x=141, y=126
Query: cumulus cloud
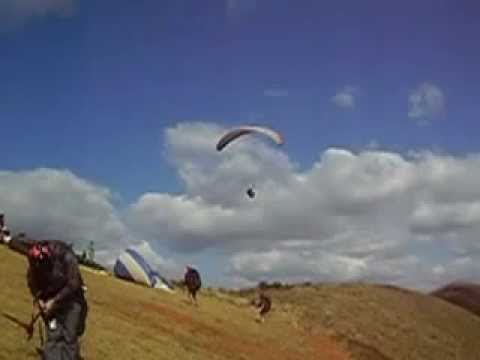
x=57, y=204
x=345, y=98
x=294, y=266
x=425, y=102
x=216, y=177
x=374, y=214
x=14, y=13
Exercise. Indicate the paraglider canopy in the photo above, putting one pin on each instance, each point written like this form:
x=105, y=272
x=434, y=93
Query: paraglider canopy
x=240, y=131
x=237, y=132
x=132, y=266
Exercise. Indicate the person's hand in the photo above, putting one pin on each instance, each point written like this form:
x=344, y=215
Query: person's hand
x=46, y=306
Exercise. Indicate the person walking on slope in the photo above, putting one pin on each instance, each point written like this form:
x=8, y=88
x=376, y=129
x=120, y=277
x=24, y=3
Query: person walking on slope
x=263, y=304
x=193, y=283
x=56, y=284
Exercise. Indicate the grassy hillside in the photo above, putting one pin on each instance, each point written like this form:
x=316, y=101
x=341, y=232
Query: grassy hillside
x=127, y=321
x=463, y=294
x=384, y=322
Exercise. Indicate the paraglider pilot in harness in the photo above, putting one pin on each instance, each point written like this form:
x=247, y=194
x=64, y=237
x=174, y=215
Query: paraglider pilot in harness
x=251, y=192
x=55, y=282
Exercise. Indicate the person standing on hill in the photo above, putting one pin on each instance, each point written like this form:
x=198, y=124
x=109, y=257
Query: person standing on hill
x=2, y=221
x=56, y=284
x=263, y=304
x=193, y=283
x=4, y=232
x=6, y=236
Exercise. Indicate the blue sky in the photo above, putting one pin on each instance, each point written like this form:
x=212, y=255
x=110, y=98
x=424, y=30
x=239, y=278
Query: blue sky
x=94, y=91
x=104, y=83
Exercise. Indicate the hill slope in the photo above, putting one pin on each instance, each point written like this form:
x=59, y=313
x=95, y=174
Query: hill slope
x=127, y=321
x=384, y=322
x=463, y=294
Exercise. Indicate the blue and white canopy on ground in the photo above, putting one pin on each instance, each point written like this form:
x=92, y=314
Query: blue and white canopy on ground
x=132, y=266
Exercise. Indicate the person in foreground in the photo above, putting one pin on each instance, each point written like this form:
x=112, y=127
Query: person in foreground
x=262, y=304
x=193, y=283
x=56, y=285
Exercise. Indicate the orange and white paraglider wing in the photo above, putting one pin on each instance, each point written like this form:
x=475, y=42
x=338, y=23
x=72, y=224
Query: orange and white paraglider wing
x=244, y=130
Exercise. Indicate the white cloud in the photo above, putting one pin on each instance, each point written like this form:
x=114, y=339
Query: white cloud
x=217, y=177
x=438, y=270
x=290, y=266
x=444, y=217
x=345, y=98
x=17, y=12
x=409, y=219
x=368, y=215
x=47, y=203
x=189, y=224
x=425, y=102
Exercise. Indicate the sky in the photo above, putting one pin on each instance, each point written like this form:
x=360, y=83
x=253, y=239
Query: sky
x=110, y=112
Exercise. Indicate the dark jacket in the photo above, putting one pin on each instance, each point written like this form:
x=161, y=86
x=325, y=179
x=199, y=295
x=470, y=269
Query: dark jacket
x=193, y=280
x=59, y=278
x=263, y=302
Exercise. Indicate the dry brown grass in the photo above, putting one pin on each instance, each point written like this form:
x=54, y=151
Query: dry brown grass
x=334, y=322
x=127, y=321
x=384, y=322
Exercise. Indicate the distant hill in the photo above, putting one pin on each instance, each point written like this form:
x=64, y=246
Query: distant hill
x=311, y=322
x=381, y=321
x=463, y=294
